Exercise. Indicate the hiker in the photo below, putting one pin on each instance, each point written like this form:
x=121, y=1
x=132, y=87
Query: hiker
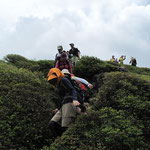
x=69, y=105
x=121, y=59
x=74, y=53
x=112, y=59
x=133, y=61
x=116, y=60
x=79, y=85
x=64, y=63
x=60, y=51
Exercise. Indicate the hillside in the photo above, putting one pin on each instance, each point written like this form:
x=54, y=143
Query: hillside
x=118, y=117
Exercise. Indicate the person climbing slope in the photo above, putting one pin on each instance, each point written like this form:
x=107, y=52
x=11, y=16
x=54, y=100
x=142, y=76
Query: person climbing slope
x=69, y=105
x=79, y=84
x=63, y=63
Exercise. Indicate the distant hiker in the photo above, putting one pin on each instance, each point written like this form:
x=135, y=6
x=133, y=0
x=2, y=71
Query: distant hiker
x=60, y=51
x=116, y=60
x=112, y=58
x=64, y=63
x=121, y=59
x=68, y=110
x=133, y=61
x=74, y=53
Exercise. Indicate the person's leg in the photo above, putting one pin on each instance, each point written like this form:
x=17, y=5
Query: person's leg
x=69, y=113
x=55, y=128
x=75, y=60
x=72, y=61
x=54, y=124
x=57, y=117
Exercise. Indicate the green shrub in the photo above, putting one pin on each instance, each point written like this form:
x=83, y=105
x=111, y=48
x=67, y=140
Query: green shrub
x=87, y=67
x=14, y=58
x=124, y=91
x=45, y=66
x=104, y=129
x=42, y=66
x=138, y=70
x=21, y=62
x=26, y=101
x=119, y=89
x=119, y=106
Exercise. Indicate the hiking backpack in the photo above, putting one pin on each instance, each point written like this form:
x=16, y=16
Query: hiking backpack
x=80, y=93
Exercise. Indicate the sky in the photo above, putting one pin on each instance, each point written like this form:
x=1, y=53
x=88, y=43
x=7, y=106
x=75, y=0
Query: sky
x=99, y=28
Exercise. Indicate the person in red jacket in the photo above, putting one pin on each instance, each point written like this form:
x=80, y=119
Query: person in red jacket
x=64, y=63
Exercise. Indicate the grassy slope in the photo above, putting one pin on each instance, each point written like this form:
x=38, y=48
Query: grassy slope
x=119, y=101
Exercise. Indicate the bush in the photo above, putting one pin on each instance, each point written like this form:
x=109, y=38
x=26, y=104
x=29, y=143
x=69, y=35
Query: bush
x=88, y=67
x=124, y=91
x=138, y=70
x=118, y=117
x=119, y=90
x=103, y=129
x=25, y=106
x=45, y=66
x=42, y=66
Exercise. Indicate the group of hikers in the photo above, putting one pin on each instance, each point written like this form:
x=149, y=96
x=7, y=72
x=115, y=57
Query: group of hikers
x=70, y=89
x=133, y=61
x=66, y=58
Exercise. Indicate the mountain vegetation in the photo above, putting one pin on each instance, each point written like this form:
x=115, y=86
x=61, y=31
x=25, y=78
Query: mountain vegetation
x=118, y=116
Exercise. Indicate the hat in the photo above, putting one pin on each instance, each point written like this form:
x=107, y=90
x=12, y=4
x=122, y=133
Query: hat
x=71, y=44
x=59, y=47
x=55, y=73
x=65, y=71
x=52, y=76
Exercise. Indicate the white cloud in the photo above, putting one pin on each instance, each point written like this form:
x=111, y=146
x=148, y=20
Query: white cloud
x=34, y=28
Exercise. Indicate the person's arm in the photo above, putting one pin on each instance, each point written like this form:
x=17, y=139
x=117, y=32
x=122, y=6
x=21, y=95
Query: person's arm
x=70, y=51
x=78, y=54
x=83, y=81
x=70, y=67
x=57, y=63
x=55, y=60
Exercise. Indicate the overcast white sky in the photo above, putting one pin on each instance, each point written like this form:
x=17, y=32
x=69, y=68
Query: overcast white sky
x=100, y=28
